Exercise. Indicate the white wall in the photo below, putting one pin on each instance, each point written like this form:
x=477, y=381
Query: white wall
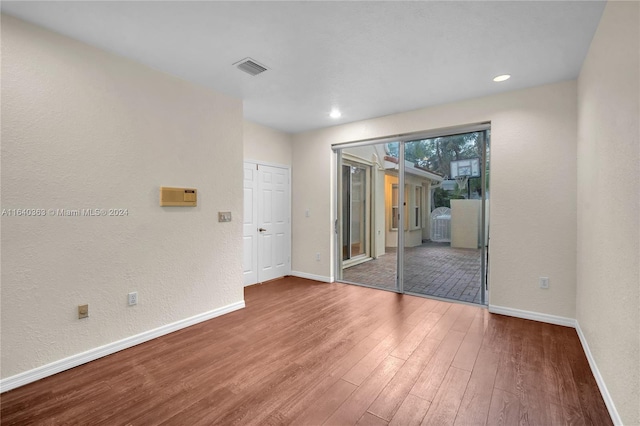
x=608, y=291
x=533, y=204
x=82, y=128
x=264, y=144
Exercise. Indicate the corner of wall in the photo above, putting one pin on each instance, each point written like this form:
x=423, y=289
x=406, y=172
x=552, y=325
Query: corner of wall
x=608, y=201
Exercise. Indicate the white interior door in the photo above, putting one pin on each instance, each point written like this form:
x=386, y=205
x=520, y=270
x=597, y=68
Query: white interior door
x=267, y=224
x=250, y=225
x=273, y=222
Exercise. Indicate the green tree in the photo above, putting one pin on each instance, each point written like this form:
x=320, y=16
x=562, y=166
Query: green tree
x=442, y=197
x=436, y=155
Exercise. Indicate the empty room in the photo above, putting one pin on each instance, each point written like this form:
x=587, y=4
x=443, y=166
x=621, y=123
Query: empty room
x=320, y=213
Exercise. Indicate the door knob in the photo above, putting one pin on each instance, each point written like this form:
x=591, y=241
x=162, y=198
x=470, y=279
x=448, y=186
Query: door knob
x=261, y=230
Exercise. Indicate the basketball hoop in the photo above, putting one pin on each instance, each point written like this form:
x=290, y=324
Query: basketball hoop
x=465, y=169
x=461, y=181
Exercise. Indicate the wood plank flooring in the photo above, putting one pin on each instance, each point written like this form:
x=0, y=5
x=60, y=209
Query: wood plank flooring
x=309, y=353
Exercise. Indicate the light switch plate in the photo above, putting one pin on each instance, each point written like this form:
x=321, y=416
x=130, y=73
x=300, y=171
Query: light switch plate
x=83, y=311
x=224, y=216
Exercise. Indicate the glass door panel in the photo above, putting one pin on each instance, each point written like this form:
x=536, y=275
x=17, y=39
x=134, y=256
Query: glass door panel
x=365, y=224
x=358, y=209
x=444, y=202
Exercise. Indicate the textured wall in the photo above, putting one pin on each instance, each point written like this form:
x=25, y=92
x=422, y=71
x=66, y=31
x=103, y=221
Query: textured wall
x=264, y=144
x=608, y=291
x=533, y=185
x=82, y=128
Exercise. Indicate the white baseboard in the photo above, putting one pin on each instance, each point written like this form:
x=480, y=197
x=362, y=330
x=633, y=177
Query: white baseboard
x=55, y=367
x=535, y=316
x=567, y=322
x=82, y=358
x=613, y=412
x=312, y=276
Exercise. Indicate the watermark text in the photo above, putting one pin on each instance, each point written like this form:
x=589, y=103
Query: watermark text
x=62, y=212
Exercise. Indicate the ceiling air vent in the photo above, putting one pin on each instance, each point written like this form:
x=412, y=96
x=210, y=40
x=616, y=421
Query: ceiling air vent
x=250, y=66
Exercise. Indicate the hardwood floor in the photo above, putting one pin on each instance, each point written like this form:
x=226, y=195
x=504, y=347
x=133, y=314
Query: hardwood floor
x=309, y=353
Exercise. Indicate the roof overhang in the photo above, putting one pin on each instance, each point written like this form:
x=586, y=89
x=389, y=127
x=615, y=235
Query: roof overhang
x=391, y=163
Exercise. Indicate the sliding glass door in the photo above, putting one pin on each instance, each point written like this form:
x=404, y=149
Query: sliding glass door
x=413, y=215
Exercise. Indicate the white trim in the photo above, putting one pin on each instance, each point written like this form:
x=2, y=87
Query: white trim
x=567, y=322
x=312, y=276
x=267, y=163
x=613, y=412
x=535, y=316
x=405, y=137
x=355, y=159
x=356, y=261
x=55, y=367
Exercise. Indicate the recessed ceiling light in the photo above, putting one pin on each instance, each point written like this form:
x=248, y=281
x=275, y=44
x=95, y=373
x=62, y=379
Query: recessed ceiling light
x=335, y=113
x=502, y=77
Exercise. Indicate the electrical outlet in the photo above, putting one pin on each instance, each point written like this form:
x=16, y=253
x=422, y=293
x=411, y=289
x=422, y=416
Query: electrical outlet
x=83, y=311
x=133, y=298
x=317, y=257
x=544, y=282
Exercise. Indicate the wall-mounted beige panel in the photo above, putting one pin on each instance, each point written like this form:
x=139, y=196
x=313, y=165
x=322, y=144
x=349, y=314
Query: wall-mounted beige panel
x=178, y=197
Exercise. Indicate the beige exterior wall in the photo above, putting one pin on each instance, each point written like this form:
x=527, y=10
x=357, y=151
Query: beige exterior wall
x=608, y=291
x=391, y=235
x=466, y=221
x=412, y=235
x=426, y=211
x=533, y=168
x=82, y=128
x=379, y=210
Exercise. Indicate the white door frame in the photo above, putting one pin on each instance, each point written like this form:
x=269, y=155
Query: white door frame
x=251, y=232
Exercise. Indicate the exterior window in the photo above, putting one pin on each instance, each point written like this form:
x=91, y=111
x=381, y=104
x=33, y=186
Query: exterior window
x=395, y=210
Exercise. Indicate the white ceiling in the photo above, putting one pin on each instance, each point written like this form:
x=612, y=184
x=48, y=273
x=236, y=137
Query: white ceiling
x=368, y=59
